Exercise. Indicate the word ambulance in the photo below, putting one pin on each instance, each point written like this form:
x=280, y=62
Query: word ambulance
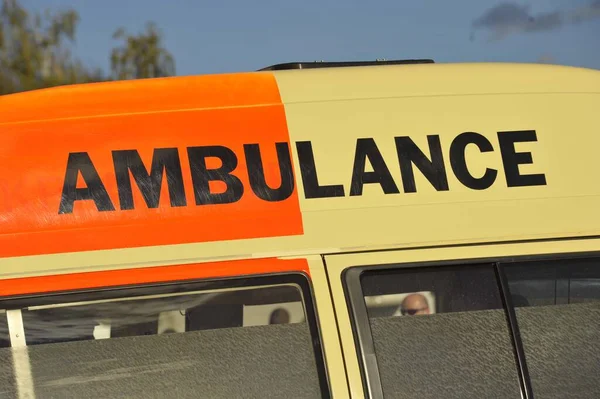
x=166, y=161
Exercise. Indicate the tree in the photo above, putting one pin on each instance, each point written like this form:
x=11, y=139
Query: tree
x=35, y=51
x=141, y=56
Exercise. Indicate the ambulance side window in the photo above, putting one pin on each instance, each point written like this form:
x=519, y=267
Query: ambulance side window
x=251, y=337
x=440, y=332
x=558, y=312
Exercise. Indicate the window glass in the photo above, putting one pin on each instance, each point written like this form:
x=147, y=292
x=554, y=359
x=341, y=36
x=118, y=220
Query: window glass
x=4, y=337
x=440, y=332
x=558, y=313
x=245, y=342
x=160, y=314
x=7, y=387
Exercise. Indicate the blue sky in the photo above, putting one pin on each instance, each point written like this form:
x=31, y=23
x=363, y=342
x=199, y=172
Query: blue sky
x=240, y=35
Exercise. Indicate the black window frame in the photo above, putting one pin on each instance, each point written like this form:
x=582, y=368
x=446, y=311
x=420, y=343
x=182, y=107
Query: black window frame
x=360, y=322
x=301, y=279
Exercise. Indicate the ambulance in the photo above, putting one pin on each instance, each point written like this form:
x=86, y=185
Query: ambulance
x=385, y=229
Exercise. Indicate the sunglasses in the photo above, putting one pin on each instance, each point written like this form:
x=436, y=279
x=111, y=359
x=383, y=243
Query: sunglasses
x=410, y=312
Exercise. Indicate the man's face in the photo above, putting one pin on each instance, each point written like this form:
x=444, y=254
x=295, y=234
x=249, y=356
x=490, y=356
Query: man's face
x=414, y=305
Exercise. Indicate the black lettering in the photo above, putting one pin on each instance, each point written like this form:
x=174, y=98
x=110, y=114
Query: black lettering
x=366, y=148
x=256, y=173
x=434, y=170
x=149, y=184
x=310, y=180
x=202, y=176
x=512, y=159
x=459, y=163
x=80, y=162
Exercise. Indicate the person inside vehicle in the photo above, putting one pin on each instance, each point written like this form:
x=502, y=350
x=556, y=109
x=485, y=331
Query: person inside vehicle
x=279, y=316
x=414, y=305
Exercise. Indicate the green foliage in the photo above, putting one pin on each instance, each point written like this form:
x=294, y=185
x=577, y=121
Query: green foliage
x=36, y=51
x=141, y=56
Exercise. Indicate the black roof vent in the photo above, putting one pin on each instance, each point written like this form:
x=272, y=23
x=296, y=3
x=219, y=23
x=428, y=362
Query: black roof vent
x=338, y=64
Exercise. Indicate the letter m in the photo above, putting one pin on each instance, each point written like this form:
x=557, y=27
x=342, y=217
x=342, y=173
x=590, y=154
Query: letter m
x=149, y=184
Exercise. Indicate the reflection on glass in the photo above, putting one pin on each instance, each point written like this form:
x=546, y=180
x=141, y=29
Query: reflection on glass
x=4, y=337
x=162, y=314
x=177, y=344
x=558, y=313
x=440, y=332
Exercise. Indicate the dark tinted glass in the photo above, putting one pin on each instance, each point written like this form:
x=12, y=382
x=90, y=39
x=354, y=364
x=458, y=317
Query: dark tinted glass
x=558, y=312
x=440, y=332
x=4, y=339
x=242, y=342
x=151, y=315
